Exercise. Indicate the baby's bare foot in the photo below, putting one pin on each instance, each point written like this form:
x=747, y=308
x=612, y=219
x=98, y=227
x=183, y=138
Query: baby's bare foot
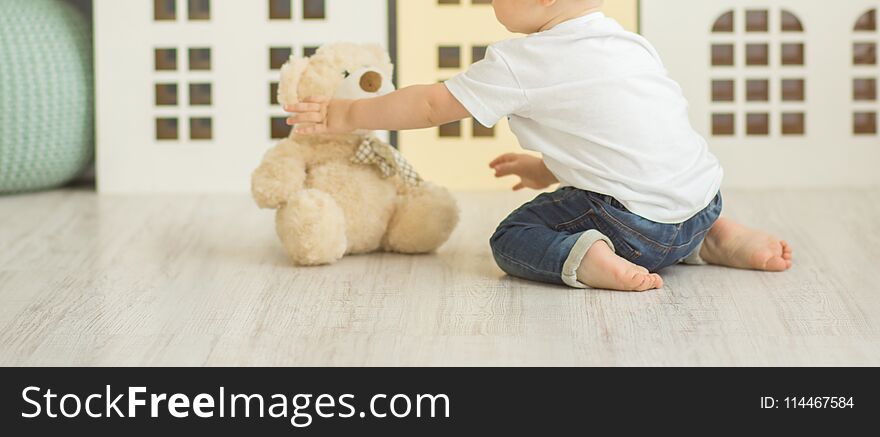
x=731, y=244
x=603, y=269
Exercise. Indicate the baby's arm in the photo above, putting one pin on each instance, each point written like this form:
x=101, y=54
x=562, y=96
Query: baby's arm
x=414, y=107
x=532, y=171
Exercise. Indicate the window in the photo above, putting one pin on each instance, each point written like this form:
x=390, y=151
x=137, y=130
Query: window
x=280, y=10
x=722, y=55
x=199, y=10
x=201, y=128
x=314, y=9
x=758, y=90
x=757, y=21
x=279, y=128
x=724, y=24
x=310, y=51
x=449, y=57
x=793, y=54
x=278, y=56
x=166, y=94
x=480, y=131
x=864, y=84
x=865, y=123
x=867, y=22
x=791, y=23
x=166, y=59
x=865, y=53
x=794, y=123
x=723, y=90
x=200, y=94
x=165, y=10
x=723, y=124
x=166, y=129
x=273, y=93
x=758, y=124
x=865, y=90
x=200, y=59
x=757, y=54
x=478, y=53
x=793, y=90
x=451, y=130
x=764, y=87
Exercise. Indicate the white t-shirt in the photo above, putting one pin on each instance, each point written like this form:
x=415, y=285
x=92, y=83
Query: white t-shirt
x=598, y=103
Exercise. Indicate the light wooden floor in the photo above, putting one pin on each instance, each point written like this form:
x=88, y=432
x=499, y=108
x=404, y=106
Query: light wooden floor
x=88, y=280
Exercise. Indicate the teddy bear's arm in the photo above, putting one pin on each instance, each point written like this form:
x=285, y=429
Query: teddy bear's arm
x=282, y=174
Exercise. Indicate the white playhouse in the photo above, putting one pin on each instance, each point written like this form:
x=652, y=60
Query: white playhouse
x=186, y=88
x=785, y=90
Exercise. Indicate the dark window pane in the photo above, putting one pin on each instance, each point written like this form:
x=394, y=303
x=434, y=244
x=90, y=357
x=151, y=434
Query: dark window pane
x=166, y=129
x=722, y=54
x=865, y=89
x=867, y=22
x=478, y=53
x=166, y=59
x=279, y=128
x=481, y=131
x=793, y=90
x=451, y=130
x=724, y=23
x=280, y=10
x=723, y=124
x=793, y=54
x=757, y=21
x=314, y=9
x=309, y=51
x=758, y=90
x=757, y=54
x=199, y=9
x=278, y=56
x=723, y=91
x=791, y=23
x=758, y=124
x=865, y=53
x=164, y=10
x=449, y=57
x=865, y=123
x=200, y=94
x=166, y=94
x=273, y=93
x=201, y=129
x=200, y=59
x=794, y=123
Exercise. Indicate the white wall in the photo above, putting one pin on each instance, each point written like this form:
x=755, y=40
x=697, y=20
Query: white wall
x=829, y=155
x=240, y=34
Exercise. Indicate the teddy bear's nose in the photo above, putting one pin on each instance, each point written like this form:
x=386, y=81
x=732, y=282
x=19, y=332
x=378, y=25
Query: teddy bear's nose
x=371, y=82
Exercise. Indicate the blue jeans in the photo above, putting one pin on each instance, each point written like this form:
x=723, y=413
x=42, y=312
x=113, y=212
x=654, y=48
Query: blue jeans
x=546, y=239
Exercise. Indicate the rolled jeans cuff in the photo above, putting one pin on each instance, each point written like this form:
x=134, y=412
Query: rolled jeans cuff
x=577, y=254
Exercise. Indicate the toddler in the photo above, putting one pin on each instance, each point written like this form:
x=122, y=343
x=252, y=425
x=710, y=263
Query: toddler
x=639, y=186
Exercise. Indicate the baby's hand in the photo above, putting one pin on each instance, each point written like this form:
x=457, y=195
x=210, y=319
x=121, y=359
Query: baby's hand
x=320, y=115
x=531, y=171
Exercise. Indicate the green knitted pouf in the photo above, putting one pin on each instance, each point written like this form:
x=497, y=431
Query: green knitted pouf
x=46, y=106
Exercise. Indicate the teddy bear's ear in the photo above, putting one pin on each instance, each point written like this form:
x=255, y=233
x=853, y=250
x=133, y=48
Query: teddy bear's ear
x=291, y=73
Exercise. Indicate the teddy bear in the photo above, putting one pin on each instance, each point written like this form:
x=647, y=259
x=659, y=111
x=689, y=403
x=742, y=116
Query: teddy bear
x=339, y=195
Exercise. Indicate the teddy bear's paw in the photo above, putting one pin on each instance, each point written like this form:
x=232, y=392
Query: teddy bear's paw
x=424, y=220
x=311, y=226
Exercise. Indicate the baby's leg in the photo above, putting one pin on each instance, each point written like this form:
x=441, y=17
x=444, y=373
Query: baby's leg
x=731, y=244
x=552, y=240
